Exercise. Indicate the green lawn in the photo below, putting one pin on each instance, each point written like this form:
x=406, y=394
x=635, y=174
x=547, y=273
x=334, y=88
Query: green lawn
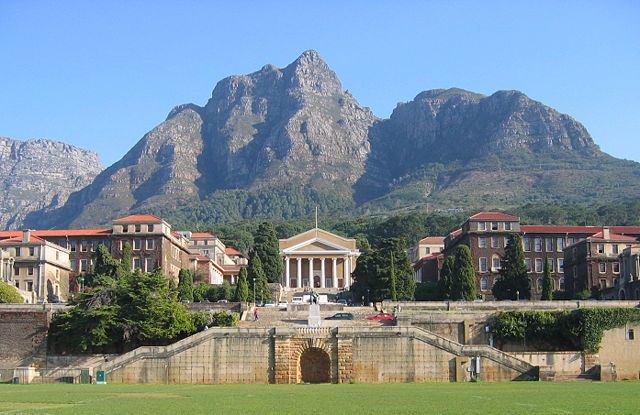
x=429, y=398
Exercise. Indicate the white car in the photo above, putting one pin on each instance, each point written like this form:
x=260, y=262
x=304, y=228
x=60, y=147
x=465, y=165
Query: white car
x=283, y=305
x=296, y=300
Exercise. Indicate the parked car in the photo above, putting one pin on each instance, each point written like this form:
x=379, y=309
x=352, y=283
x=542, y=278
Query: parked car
x=296, y=300
x=223, y=301
x=283, y=305
x=269, y=304
x=341, y=316
x=342, y=301
x=382, y=317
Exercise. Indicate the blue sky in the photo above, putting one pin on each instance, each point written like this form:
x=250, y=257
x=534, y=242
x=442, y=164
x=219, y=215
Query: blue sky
x=100, y=74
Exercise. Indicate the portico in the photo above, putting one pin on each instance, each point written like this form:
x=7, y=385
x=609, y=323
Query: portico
x=318, y=259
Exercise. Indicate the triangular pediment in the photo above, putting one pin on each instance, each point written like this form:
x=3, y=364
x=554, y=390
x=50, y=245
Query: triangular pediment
x=318, y=246
x=317, y=240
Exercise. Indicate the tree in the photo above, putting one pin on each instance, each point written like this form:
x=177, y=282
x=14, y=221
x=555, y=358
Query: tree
x=267, y=248
x=547, y=283
x=104, y=263
x=127, y=258
x=242, y=288
x=444, y=283
x=256, y=273
x=463, y=277
x=9, y=294
x=379, y=271
x=185, y=285
x=513, y=282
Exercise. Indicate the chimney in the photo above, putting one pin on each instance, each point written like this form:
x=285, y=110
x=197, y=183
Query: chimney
x=26, y=236
x=605, y=232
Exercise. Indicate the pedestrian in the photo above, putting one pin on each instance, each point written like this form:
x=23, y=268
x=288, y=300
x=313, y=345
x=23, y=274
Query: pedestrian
x=256, y=315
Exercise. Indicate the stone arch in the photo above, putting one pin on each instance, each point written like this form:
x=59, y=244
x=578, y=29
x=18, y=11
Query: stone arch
x=314, y=363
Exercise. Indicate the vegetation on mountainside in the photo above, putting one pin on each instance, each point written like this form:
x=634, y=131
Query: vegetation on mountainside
x=9, y=294
x=580, y=329
x=384, y=273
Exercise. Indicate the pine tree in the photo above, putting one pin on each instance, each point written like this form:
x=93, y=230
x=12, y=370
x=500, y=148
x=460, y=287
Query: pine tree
x=185, y=285
x=127, y=259
x=256, y=273
x=242, y=287
x=547, y=283
x=267, y=248
x=513, y=282
x=392, y=272
x=444, y=283
x=463, y=278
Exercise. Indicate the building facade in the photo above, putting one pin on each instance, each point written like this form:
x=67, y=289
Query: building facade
x=318, y=259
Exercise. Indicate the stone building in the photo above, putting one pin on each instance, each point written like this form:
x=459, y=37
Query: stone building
x=628, y=285
x=37, y=268
x=427, y=246
x=593, y=263
x=318, y=259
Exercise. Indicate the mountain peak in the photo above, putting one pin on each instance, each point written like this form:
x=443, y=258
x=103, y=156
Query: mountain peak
x=311, y=73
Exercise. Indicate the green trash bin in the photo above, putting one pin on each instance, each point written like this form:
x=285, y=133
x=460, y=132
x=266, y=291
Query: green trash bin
x=84, y=376
x=101, y=378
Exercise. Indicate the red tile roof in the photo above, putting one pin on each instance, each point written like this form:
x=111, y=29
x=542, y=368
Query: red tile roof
x=494, y=216
x=200, y=257
x=231, y=268
x=232, y=251
x=195, y=235
x=612, y=237
x=559, y=229
x=59, y=233
x=426, y=258
x=18, y=239
x=456, y=232
x=432, y=240
x=139, y=218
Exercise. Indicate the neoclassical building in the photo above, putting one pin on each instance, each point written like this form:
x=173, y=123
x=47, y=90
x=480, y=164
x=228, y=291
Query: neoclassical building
x=318, y=259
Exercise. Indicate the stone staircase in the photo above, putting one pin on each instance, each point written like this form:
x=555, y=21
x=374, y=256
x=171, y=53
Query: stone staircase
x=274, y=317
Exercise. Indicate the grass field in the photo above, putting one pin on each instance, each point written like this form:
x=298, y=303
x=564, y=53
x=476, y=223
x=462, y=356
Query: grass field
x=432, y=398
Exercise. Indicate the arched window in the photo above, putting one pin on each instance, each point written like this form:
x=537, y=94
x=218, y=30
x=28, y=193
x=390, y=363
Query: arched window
x=484, y=284
x=561, y=284
x=495, y=263
x=539, y=284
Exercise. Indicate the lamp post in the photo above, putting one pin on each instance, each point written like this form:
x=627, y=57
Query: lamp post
x=368, y=296
x=254, y=290
x=517, y=295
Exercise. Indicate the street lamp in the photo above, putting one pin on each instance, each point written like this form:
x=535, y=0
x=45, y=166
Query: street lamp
x=368, y=296
x=254, y=291
x=517, y=295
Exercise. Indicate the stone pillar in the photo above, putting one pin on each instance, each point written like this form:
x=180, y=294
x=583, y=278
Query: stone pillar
x=335, y=272
x=346, y=272
x=299, y=282
x=287, y=275
x=311, y=272
x=322, y=275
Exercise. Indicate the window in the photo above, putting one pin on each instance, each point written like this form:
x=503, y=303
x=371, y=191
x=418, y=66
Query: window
x=138, y=227
x=94, y=245
x=548, y=242
x=16, y=270
x=29, y=285
x=32, y=250
x=600, y=248
x=125, y=228
x=149, y=228
x=18, y=251
x=483, y=264
x=507, y=226
x=630, y=335
x=602, y=267
x=527, y=264
x=30, y=270
x=561, y=284
x=494, y=226
x=614, y=249
x=74, y=265
x=150, y=243
x=616, y=268
x=571, y=241
x=84, y=246
x=552, y=265
x=84, y=265
x=559, y=244
x=538, y=244
x=527, y=244
x=137, y=263
x=495, y=242
x=484, y=284
x=495, y=263
x=539, y=284
x=506, y=241
x=73, y=246
x=482, y=226
x=206, y=252
x=17, y=284
x=538, y=264
x=482, y=242
x=137, y=244
x=603, y=284
x=149, y=264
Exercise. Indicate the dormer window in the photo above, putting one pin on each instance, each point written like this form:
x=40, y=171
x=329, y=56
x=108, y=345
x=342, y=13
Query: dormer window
x=494, y=226
x=507, y=226
x=149, y=228
x=482, y=226
x=138, y=227
x=125, y=228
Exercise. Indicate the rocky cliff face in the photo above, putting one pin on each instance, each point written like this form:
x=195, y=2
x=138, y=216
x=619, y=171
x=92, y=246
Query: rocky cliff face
x=279, y=141
x=39, y=175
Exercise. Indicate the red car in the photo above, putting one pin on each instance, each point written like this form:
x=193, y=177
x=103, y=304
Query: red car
x=382, y=316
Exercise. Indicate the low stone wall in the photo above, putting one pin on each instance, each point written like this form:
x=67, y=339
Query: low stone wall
x=561, y=363
x=523, y=305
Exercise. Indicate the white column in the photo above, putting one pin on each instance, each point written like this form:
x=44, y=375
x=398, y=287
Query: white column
x=311, y=272
x=345, y=271
x=322, y=275
x=286, y=275
x=348, y=271
x=335, y=272
x=299, y=282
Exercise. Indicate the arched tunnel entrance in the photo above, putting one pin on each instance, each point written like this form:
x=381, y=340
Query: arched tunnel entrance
x=315, y=366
